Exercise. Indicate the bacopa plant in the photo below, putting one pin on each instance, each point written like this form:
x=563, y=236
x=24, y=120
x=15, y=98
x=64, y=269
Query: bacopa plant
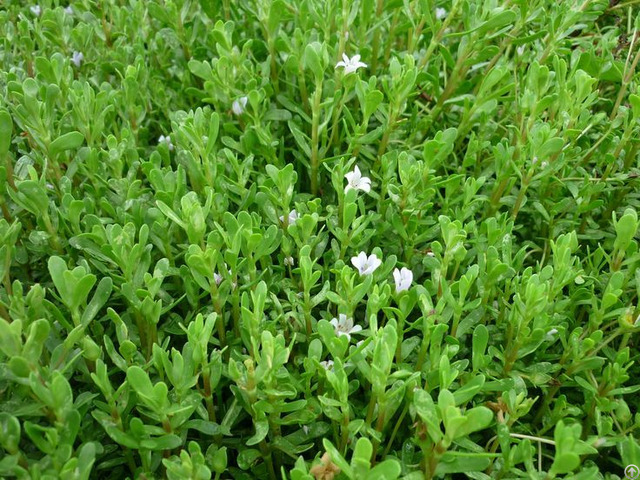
x=320, y=239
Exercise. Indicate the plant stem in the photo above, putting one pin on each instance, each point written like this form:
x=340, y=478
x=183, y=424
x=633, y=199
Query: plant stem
x=315, y=121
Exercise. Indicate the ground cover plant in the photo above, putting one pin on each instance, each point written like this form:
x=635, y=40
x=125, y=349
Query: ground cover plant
x=318, y=239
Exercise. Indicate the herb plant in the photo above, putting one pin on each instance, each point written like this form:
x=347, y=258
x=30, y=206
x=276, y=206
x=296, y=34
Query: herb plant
x=318, y=239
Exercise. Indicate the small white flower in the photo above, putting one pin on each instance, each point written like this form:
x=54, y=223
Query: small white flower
x=551, y=334
x=350, y=64
x=36, y=10
x=68, y=10
x=305, y=429
x=292, y=217
x=356, y=181
x=544, y=165
x=238, y=105
x=366, y=265
x=440, y=13
x=166, y=140
x=77, y=58
x=430, y=254
x=520, y=50
x=327, y=364
x=403, y=279
x=289, y=261
x=534, y=160
x=345, y=326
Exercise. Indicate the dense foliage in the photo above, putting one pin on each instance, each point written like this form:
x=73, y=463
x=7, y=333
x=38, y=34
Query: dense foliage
x=317, y=239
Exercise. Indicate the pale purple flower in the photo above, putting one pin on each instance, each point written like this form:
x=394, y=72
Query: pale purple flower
x=68, y=10
x=77, y=58
x=356, y=181
x=292, y=217
x=440, y=13
x=238, y=105
x=36, y=10
x=366, y=265
x=403, y=279
x=218, y=278
x=344, y=326
x=350, y=64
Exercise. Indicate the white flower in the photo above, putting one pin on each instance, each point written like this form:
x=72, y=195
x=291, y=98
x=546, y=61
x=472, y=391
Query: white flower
x=327, y=364
x=350, y=64
x=544, y=165
x=440, y=13
x=403, y=279
x=166, y=140
x=289, y=261
x=305, y=429
x=551, y=334
x=357, y=181
x=366, y=265
x=77, y=58
x=345, y=326
x=36, y=10
x=238, y=105
x=68, y=10
x=292, y=217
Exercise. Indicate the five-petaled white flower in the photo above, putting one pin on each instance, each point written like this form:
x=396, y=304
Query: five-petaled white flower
x=292, y=217
x=68, y=10
x=350, y=64
x=327, y=364
x=238, y=105
x=77, y=58
x=36, y=10
x=440, y=13
x=366, y=265
x=356, y=181
x=345, y=326
x=403, y=279
x=166, y=140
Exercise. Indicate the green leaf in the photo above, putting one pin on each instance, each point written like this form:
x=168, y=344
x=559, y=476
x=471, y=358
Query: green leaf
x=100, y=297
x=387, y=470
x=262, y=428
x=68, y=141
x=6, y=132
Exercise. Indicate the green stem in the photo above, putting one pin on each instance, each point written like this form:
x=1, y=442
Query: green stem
x=315, y=122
